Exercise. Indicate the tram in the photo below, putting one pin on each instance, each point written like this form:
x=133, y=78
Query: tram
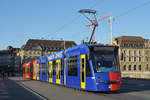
x=27, y=69
x=89, y=67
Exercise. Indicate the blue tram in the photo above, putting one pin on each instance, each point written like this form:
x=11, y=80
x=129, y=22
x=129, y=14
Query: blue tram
x=91, y=67
x=56, y=68
x=43, y=68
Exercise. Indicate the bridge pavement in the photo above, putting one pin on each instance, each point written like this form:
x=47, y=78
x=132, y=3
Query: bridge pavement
x=10, y=90
x=131, y=90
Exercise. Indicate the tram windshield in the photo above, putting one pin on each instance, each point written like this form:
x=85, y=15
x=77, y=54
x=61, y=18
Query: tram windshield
x=104, y=59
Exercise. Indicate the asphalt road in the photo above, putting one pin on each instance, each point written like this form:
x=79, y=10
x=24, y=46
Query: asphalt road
x=10, y=90
x=131, y=90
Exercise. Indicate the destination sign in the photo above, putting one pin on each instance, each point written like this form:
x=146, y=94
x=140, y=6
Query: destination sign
x=111, y=49
x=55, y=56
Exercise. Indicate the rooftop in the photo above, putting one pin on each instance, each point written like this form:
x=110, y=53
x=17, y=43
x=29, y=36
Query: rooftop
x=138, y=38
x=47, y=44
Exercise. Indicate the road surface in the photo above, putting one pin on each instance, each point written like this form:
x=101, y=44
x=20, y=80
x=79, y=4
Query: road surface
x=131, y=90
x=10, y=90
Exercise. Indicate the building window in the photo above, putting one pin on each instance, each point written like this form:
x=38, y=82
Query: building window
x=134, y=67
x=134, y=58
x=32, y=52
x=124, y=67
x=124, y=58
x=139, y=53
x=38, y=52
x=129, y=58
x=129, y=67
x=146, y=58
x=139, y=58
x=140, y=68
x=146, y=52
x=129, y=52
x=124, y=52
x=29, y=52
x=134, y=53
x=147, y=67
x=121, y=56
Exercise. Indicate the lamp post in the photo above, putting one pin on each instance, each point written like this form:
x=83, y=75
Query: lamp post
x=64, y=63
x=111, y=19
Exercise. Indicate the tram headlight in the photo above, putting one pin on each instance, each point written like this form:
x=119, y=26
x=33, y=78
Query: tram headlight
x=109, y=86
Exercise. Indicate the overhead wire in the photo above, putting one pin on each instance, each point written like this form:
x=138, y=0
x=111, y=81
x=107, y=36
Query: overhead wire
x=67, y=24
x=132, y=9
x=129, y=10
x=96, y=3
x=73, y=20
x=93, y=6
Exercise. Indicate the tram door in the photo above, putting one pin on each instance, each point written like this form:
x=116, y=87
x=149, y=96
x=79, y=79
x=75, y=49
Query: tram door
x=31, y=70
x=34, y=71
x=64, y=71
x=58, y=71
x=83, y=71
x=50, y=71
x=37, y=71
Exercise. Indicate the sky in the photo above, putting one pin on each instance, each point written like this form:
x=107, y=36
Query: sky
x=21, y=20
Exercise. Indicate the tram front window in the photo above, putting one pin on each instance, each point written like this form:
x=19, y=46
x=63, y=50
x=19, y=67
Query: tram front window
x=105, y=61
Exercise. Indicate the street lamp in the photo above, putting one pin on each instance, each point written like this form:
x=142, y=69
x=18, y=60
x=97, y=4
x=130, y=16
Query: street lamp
x=111, y=19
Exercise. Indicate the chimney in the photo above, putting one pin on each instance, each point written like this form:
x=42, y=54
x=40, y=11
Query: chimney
x=52, y=38
x=42, y=38
x=61, y=38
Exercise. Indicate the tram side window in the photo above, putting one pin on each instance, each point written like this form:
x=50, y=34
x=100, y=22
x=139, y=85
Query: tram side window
x=23, y=70
x=62, y=72
x=61, y=67
x=34, y=69
x=49, y=68
x=31, y=69
x=83, y=61
x=88, y=70
x=54, y=67
x=27, y=70
x=72, y=66
x=38, y=71
x=43, y=68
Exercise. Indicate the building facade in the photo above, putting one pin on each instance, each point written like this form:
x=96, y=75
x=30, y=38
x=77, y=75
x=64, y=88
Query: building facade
x=35, y=48
x=10, y=61
x=134, y=56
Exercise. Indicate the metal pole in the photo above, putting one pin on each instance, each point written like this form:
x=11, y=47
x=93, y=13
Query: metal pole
x=64, y=63
x=64, y=45
x=111, y=30
x=92, y=36
x=111, y=19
